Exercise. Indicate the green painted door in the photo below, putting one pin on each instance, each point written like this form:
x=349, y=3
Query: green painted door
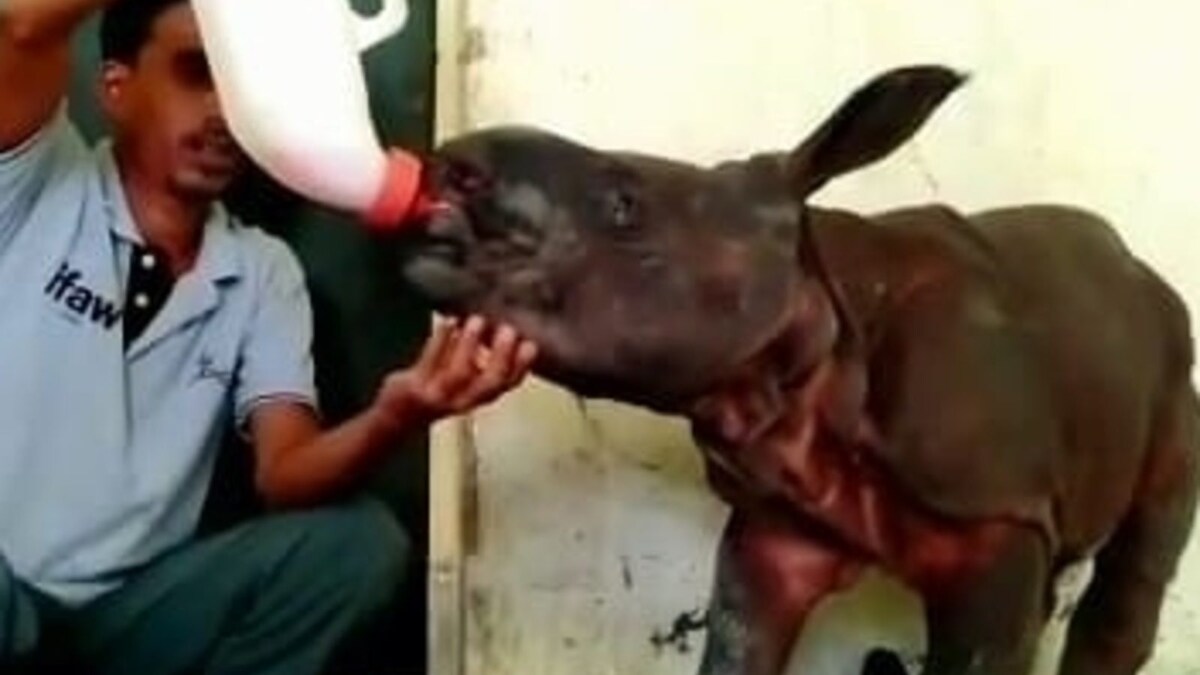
x=366, y=322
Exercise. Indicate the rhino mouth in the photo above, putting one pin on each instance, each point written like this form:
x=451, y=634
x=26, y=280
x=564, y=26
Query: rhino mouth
x=447, y=236
x=435, y=256
x=462, y=188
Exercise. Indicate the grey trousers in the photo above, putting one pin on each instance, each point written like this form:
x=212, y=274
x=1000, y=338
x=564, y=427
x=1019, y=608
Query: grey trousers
x=275, y=596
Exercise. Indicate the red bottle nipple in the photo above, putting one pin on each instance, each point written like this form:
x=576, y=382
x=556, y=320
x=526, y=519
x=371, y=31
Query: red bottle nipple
x=402, y=199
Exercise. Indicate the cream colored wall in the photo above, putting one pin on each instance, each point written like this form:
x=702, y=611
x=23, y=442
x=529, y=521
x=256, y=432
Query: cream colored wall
x=592, y=527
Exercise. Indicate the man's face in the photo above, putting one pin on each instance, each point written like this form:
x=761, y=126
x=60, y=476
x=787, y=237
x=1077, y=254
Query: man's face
x=165, y=112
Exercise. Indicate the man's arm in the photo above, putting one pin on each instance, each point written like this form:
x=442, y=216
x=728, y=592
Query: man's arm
x=298, y=465
x=35, y=57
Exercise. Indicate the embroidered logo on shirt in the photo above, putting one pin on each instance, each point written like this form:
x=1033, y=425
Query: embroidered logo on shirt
x=66, y=288
x=207, y=370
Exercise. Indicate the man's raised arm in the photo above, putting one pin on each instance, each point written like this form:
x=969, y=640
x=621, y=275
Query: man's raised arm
x=35, y=39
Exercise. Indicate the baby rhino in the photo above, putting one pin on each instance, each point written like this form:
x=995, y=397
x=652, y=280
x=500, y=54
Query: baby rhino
x=973, y=402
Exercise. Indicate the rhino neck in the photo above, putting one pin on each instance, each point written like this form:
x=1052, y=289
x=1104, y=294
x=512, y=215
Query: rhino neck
x=836, y=317
x=749, y=399
x=854, y=258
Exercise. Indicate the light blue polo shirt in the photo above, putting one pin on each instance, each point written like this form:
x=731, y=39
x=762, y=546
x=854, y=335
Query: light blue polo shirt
x=106, y=453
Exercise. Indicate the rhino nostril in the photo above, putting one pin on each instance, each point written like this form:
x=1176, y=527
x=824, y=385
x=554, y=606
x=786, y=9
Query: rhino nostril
x=449, y=223
x=464, y=176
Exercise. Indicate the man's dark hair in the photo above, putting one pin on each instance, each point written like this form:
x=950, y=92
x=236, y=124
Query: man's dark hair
x=125, y=27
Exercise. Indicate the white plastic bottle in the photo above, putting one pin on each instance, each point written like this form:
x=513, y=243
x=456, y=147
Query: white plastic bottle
x=290, y=80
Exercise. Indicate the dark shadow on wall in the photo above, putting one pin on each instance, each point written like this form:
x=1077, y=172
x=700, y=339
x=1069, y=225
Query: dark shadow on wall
x=366, y=321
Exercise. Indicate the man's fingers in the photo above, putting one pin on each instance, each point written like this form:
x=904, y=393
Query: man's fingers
x=458, y=367
x=492, y=366
x=500, y=368
x=509, y=358
x=458, y=371
x=435, y=345
x=502, y=349
x=526, y=353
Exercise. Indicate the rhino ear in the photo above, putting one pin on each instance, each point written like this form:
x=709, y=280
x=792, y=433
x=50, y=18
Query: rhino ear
x=875, y=120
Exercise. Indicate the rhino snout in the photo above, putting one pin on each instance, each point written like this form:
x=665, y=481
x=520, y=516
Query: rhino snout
x=448, y=231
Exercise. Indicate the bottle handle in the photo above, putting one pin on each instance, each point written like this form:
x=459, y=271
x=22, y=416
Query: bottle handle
x=371, y=30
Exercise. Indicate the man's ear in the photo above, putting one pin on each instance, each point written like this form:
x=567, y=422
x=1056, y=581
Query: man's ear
x=112, y=88
x=875, y=120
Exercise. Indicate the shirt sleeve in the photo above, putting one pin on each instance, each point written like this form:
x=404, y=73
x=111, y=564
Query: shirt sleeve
x=28, y=169
x=276, y=360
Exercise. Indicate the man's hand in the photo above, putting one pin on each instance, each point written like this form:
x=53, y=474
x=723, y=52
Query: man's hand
x=455, y=373
x=298, y=464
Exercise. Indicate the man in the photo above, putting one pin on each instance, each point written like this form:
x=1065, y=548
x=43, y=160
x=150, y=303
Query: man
x=137, y=319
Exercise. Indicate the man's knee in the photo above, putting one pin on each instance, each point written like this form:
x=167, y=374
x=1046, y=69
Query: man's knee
x=362, y=545
x=8, y=607
x=18, y=617
x=8, y=582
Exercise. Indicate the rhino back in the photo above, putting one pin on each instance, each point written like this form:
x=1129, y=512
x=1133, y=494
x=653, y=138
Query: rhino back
x=1113, y=335
x=1092, y=339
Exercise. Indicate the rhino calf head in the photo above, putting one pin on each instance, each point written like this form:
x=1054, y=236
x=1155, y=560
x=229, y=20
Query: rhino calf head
x=642, y=278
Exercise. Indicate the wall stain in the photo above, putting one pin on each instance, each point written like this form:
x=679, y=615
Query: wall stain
x=474, y=46
x=683, y=625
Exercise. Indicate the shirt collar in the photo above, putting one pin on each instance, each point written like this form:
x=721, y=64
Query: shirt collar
x=218, y=260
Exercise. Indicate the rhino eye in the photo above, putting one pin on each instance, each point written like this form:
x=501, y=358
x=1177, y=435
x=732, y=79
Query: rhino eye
x=622, y=208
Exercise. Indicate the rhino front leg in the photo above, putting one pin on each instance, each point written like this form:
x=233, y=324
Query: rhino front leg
x=988, y=622
x=770, y=573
